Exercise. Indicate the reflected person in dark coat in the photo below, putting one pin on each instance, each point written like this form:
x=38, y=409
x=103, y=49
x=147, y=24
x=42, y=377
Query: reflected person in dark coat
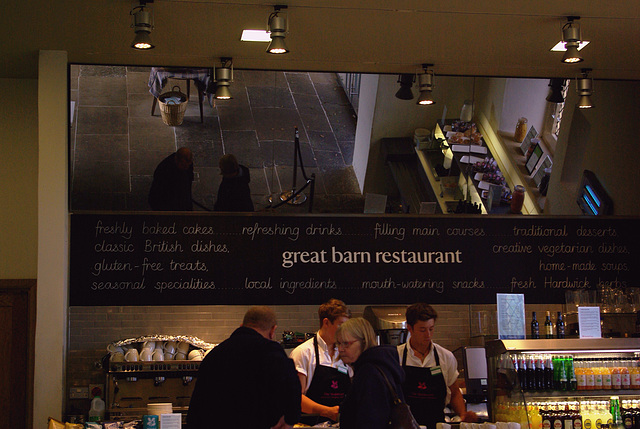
x=368, y=401
x=172, y=179
x=234, y=194
x=247, y=381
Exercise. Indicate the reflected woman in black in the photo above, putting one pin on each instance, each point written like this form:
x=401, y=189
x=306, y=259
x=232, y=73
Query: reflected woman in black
x=234, y=194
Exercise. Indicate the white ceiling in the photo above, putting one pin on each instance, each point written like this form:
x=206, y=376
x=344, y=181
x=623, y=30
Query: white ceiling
x=460, y=37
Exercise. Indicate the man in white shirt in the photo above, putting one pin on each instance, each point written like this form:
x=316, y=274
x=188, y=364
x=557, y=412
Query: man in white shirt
x=324, y=378
x=431, y=371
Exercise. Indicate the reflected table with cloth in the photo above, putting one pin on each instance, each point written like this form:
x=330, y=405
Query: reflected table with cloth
x=201, y=77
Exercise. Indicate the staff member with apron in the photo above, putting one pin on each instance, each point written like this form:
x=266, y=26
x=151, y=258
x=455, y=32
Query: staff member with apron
x=323, y=376
x=431, y=371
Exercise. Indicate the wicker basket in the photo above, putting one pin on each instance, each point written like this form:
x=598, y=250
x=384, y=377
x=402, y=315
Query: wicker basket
x=172, y=112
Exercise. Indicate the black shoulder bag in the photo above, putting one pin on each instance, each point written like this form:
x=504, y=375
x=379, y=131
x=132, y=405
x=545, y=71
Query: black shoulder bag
x=401, y=417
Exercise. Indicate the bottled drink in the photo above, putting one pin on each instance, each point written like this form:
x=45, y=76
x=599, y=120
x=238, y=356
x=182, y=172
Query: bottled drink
x=522, y=372
x=587, y=416
x=548, y=373
x=606, y=375
x=548, y=326
x=557, y=419
x=546, y=418
x=581, y=378
x=628, y=416
x=572, y=383
x=634, y=373
x=562, y=373
x=577, y=417
x=535, y=327
x=625, y=375
x=567, y=417
x=534, y=417
x=560, y=328
x=598, y=373
x=540, y=370
x=616, y=415
x=616, y=375
x=96, y=413
x=531, y=373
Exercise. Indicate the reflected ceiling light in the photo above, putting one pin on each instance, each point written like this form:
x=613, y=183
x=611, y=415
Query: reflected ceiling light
x=223, y=77
x=556, y=90
x=277, y=30
x=255, y=36
x=571, y=37
x=405, y=81
x=425, y=84
x=584, y=87
x=142, y=25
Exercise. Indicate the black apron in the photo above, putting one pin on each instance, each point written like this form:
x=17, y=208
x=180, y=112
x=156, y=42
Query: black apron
x=328, y=387
x=425, y=391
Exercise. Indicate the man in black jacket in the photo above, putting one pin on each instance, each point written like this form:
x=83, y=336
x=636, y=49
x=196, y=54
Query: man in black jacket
x=247, y=381
x=172, y=179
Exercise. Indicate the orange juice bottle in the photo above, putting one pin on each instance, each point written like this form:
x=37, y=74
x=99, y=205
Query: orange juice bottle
x=597, y=372
x=634, y=372
x=616, y=375
x=589, y=375
x=624, y=372
x=581, y=377
x=606, y=374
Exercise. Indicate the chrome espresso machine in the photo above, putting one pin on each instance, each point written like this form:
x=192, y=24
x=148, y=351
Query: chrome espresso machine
x=389, y=322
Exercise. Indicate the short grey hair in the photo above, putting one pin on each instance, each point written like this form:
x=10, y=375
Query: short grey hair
x=360, y=329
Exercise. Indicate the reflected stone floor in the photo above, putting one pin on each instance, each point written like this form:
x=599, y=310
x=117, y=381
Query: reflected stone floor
x=115, y=142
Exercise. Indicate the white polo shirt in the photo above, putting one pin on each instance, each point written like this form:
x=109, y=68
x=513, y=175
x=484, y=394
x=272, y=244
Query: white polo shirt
x=448, y=363
x=304, y=358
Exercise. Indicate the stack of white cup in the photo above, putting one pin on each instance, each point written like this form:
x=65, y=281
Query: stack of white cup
x=148, y=352
x=116, y=353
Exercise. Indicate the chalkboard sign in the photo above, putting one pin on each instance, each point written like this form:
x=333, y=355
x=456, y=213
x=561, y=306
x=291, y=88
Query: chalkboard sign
x=165, y=259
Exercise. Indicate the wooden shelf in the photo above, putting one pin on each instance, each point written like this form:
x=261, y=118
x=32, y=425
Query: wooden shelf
x=511, y=162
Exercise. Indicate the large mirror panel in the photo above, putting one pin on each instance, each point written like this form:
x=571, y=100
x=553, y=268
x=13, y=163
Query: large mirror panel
x=358, y=142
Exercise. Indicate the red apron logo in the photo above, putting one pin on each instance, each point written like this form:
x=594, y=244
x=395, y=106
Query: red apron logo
x=422, y=385
x=334, y=384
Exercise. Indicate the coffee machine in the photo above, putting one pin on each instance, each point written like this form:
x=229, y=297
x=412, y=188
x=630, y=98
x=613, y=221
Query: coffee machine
x=389, y=322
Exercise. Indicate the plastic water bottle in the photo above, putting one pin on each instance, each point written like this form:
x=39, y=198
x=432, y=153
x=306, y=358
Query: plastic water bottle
x=96, y=413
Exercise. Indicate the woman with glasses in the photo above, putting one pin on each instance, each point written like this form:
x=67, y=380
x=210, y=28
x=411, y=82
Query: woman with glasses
x=368, y=401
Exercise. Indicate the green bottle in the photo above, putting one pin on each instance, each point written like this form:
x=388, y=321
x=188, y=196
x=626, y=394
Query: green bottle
x=548, y=326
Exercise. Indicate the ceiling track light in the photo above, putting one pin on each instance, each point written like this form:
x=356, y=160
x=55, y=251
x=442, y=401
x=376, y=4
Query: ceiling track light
x=584, y=88
x=406, y=82
x=277, y=26
x=556, y=91
x=571, y=36
x=142, y=25
x=223, y=77
x=425, y=85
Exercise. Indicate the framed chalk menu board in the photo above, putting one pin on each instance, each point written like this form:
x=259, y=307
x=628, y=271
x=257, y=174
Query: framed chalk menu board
x=165, y=259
